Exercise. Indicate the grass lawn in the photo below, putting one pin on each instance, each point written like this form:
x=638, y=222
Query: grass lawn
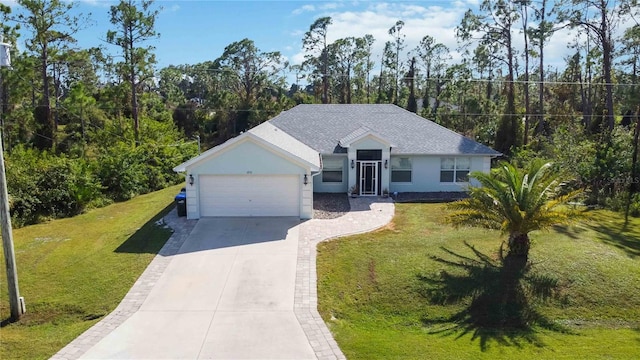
x=374, y=297
x=74, y=271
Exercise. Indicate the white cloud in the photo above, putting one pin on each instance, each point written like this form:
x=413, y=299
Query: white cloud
x=304, y=9
x=330, y=6
x=377, y=18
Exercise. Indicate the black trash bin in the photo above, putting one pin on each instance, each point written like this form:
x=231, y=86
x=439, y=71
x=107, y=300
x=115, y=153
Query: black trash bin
x=181, y=203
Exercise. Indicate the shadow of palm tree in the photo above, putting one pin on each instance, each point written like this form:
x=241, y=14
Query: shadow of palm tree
x=500, y=308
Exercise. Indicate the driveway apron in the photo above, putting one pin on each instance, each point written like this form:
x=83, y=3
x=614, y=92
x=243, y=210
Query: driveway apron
x=227, y=294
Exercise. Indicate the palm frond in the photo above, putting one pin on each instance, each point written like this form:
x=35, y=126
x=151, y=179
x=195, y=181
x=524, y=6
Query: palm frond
x=514, y=200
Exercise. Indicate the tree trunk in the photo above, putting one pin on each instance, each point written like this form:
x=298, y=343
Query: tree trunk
x=607, y=53
x=526, y=78
x=633, y=185
x=134, y=95
x=325, y=76
x=45, y=139
x=541, y=120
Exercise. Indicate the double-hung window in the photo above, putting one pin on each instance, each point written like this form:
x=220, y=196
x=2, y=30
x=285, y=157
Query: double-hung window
x=332, y=171
x=400, y=170
x=455, y=170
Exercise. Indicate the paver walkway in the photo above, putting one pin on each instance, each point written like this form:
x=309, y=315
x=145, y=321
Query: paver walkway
x=366, y=214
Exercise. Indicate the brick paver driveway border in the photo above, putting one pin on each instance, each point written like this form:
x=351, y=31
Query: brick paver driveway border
x=367, y=214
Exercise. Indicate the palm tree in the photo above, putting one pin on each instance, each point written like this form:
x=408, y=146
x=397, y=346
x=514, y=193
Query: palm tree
x=516, y=202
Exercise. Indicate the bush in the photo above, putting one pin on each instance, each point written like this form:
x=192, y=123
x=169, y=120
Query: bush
x=619, y=203
x=42, y=185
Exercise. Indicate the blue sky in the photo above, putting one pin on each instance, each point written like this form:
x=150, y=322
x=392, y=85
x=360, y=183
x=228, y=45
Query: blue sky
x=193, y=31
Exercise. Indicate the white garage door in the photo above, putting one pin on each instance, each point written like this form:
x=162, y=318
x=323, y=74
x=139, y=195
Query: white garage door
x=249, y=195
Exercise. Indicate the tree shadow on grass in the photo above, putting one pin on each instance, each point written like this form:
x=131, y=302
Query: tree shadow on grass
x=572, y=232
x=150, y=238
x=623, y=236
x=496, y=310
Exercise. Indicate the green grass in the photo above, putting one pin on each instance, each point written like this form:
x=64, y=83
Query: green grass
x=373, y=296
x=74, y=271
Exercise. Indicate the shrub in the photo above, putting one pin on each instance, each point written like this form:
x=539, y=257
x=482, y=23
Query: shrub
x=42, y=185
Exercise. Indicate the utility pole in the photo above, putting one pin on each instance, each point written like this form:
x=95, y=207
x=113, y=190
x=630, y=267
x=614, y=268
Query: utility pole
x=16, y=303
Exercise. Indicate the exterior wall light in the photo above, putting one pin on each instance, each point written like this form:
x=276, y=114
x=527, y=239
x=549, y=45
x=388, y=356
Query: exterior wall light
x=191, y=180
x=353, y=164
x=305, y=180
x=386, y=163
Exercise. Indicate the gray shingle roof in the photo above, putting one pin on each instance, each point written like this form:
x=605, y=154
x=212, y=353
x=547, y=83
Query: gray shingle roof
x=323, y=126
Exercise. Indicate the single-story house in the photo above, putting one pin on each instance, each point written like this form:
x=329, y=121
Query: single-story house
x=274, y=168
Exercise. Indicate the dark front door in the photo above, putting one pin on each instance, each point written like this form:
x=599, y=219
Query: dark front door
x=369, y=172
x=369, y=178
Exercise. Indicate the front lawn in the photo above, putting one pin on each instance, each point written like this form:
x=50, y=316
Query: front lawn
x=74, y=271
x=376, y=291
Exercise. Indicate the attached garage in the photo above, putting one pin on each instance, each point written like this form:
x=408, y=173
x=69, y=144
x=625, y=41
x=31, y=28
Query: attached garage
x=249, y=195
x=263, y=172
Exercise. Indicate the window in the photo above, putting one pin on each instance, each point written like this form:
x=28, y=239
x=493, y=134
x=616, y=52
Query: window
x=332, y=175
x=369, y=155
x=332, y=171
x=455, y=170
x=400, y=170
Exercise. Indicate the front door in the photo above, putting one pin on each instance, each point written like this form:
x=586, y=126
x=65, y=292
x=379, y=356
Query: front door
x=369, y=178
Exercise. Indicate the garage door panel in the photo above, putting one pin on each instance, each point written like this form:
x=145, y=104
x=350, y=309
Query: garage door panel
x=249, y=195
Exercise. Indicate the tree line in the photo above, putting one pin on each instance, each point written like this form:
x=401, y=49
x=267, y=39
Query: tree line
x=84, y=106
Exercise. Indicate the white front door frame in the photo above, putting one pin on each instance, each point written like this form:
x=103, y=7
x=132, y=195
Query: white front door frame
x=369, y=178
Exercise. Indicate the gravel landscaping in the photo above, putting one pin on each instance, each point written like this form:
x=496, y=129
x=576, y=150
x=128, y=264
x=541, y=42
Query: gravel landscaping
x=330, y=206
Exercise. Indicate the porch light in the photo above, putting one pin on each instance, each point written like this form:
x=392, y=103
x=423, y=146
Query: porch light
x=191, y=180
x=386, y=163
x=305, y=180
x=353, y=164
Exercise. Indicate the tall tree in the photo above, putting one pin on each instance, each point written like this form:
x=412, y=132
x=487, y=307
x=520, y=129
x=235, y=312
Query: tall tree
x=135, y=25
x=364, y=65
x=248, y=73
x=494, y=26
x=250, y=68
x=539, y=36
x=524, y=15
x=630, y=53
x=345, y=54
x=412, y=104
x=602, y=25
x=315, y=41
x=393, y=57
x=433, y=56
x=52, y=25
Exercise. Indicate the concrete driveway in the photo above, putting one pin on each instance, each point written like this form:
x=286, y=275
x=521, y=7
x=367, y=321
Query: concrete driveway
x=227, y=294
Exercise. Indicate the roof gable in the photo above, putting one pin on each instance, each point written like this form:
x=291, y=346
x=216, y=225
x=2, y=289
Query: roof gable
x=360, y=134
x=269, y=137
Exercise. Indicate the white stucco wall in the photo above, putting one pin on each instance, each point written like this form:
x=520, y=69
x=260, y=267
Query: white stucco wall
x=333, y=187
x=248, y=158
x=425, y=176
